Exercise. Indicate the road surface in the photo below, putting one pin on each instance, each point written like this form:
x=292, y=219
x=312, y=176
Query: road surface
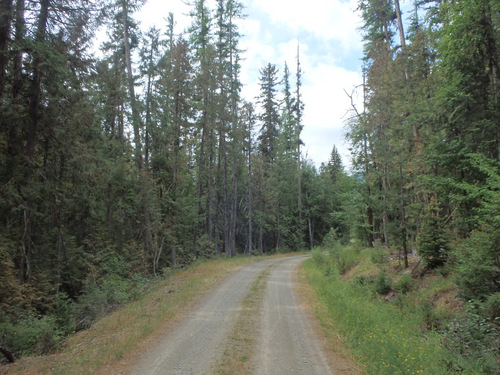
x=285, y=342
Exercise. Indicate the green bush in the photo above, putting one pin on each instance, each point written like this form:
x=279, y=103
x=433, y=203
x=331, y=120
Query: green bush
x=478, y=271
x=377, y=255
x=332, y=239
x=100, y=299
x=404, y=284
x=32, y=335
x=473, y=342
x=492, y=306
x=319, y=256
x=383, y=284
x=431, y=320
x=64, y=314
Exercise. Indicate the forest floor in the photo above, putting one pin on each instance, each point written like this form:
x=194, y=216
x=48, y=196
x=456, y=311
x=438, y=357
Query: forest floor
x=257, y=320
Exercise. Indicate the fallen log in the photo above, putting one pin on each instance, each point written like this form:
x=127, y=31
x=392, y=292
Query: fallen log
x=8, y=354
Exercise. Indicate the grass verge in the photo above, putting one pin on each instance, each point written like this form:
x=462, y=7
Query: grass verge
x=384, y=338
x=115, y=342
x=339, y=355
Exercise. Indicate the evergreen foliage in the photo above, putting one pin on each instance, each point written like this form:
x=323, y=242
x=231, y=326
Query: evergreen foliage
x=432, y=242
x=426, y=143
x=115, y=169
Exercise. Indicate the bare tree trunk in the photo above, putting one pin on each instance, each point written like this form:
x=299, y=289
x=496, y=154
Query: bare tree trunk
x=369, y=210
x=15, y=143
x=201, y=173
x=493, y=62
x=278, y=225
x=31, y=140
x=311, y=234
x=19, y=35
x=404, y=234
x=250, y=203
x=416, y=136
x=149, y=89
x=37, y=80
x=5, y=18
x=250, y=197
x=210, y=199
x=299, y=183
x=402, y=37
x=225, y=195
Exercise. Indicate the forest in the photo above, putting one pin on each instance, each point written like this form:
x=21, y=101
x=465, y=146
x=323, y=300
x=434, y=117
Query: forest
x=120, y=166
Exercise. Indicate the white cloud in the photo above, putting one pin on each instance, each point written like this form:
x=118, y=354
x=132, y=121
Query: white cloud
x=154, y=13
x=328, y=37
x=328, y=19
x=326, y=106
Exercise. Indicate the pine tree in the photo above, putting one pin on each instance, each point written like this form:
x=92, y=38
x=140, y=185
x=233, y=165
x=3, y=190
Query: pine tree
x=299, y=109
x=432, y=242
x=269, y=116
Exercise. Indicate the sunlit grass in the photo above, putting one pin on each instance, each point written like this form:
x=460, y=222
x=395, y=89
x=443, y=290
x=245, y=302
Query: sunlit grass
x=340, y=357
x=387, y=340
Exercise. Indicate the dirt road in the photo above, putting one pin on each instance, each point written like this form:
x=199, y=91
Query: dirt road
x=285, y=342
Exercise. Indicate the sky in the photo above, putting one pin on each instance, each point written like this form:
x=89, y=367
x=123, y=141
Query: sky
x=330, y=57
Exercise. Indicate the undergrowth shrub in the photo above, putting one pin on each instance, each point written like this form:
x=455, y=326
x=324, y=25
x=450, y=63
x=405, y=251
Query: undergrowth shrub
x=405, y=284
x=100, y=299
x=432, y=240
x=478, y=271
x=492, y=306
x=429, y=316
x=383, y=284
x=377, y=255
x=64, y=314
x=31, y=335
x=344, y=258
x=473, y=342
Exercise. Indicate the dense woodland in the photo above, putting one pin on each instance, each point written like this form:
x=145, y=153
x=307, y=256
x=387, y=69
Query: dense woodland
x=116, y=169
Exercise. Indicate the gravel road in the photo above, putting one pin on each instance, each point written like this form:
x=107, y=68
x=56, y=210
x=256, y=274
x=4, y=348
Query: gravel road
x=286, y=343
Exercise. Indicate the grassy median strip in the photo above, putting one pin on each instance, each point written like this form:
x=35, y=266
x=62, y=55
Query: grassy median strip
x=241, y=343
x=116, y=341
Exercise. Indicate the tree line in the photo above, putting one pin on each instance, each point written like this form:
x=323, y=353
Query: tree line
x=426, y=140
x=118, y=167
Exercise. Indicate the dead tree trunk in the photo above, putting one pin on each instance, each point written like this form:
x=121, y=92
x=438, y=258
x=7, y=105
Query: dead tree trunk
x=8, y=354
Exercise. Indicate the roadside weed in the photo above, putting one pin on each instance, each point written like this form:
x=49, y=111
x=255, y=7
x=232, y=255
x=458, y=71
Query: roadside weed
x=387, y=340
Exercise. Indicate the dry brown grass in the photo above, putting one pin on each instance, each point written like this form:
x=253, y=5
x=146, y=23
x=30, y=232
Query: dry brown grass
x=241, y=343
x=114, y=343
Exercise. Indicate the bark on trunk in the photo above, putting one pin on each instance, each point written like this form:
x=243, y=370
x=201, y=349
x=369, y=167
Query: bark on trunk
x=8, y=354
x=5, y=18
x=36, y=83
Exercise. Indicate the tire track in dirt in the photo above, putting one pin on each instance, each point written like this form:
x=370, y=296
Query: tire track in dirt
x=192, y=346
x=287, y=343
x=280, y=338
